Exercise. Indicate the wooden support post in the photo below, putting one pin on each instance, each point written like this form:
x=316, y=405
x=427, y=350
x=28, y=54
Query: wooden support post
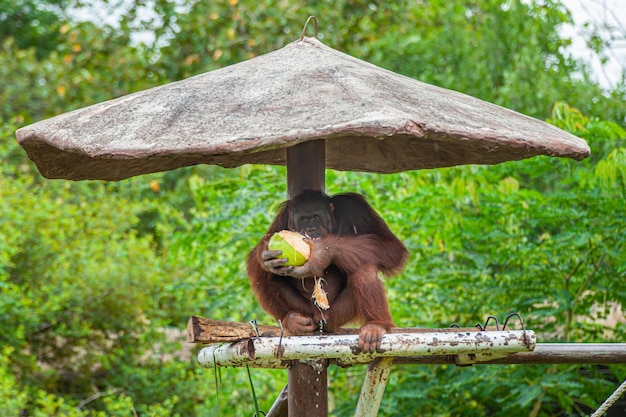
x=308, y=388
x=306, y=165
x=308, y=381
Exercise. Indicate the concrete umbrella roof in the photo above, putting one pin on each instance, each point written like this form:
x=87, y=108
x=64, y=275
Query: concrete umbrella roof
x=371, y=120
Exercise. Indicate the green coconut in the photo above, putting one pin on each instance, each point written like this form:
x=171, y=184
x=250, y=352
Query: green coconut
x=293, y=246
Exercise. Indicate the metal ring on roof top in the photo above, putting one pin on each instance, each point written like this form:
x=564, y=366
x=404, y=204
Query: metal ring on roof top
x=306, y=24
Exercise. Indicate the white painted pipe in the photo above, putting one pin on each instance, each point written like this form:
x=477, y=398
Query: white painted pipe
x=274, y=352
x=373, y=388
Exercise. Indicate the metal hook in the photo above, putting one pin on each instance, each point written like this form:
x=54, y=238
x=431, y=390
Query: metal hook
x=518, y=315
x=255, y=327
x=483, y=327
x=307, y=24
x=506, y=321
x=494, y=318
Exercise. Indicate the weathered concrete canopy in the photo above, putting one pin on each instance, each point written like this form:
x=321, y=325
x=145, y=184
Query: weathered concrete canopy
x=371, y=120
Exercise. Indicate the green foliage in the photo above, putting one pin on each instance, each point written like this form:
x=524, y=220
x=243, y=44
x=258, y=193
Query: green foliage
x=232, y=209
x=14, y=399
x=98, y=279
x=71, y=256
x=88, y=65
x=34, y=24
x=507, y=52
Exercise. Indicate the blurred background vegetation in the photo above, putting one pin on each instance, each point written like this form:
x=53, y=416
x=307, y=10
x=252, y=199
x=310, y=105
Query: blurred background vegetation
x=97, y=279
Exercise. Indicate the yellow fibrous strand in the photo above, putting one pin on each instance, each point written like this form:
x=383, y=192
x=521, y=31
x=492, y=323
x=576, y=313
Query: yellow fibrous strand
x=319, y=295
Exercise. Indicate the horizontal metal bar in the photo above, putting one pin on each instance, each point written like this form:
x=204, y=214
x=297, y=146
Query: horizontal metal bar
x=544, y=353
x=273, y=352
x=591, y=353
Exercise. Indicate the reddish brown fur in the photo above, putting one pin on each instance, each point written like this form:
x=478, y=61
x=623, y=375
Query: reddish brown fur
x=360, y=246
